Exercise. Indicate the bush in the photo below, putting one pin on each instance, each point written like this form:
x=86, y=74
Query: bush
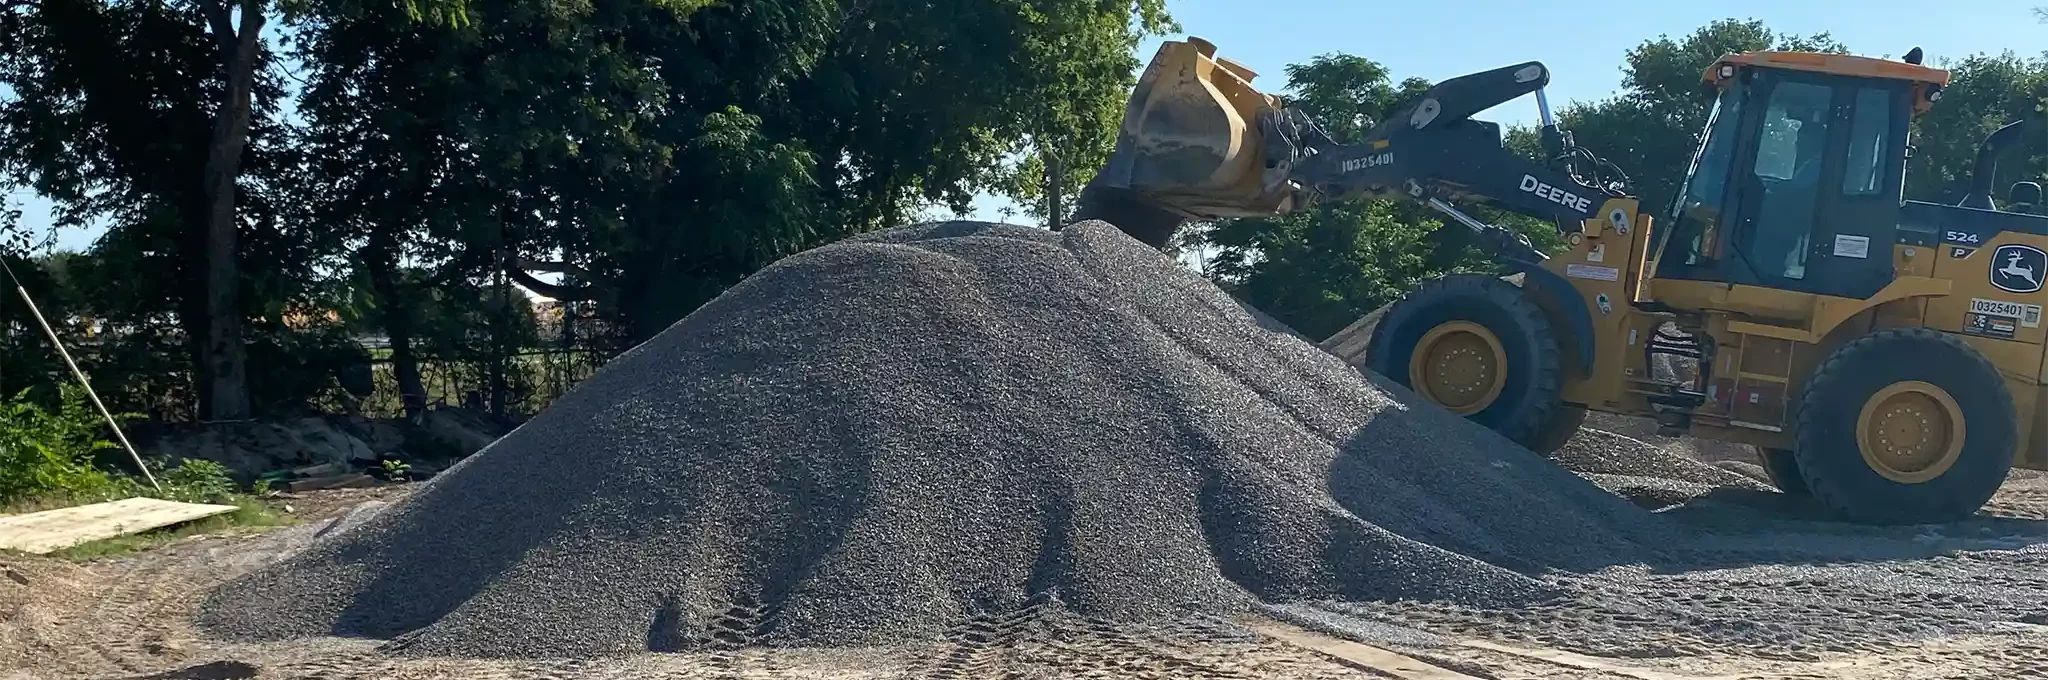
x=45, y=453
x=196, y=480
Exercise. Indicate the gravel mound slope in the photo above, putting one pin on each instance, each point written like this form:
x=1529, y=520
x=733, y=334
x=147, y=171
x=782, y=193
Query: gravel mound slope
x=876, y=439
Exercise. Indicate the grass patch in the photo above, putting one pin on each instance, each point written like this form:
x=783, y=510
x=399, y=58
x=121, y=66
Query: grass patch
x=250, y=514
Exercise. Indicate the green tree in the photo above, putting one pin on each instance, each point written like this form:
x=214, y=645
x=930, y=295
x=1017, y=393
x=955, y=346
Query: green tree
x=658, y=152
x=111, y=111
x=159, y=121
x=1319, y=270
x=1984, y=93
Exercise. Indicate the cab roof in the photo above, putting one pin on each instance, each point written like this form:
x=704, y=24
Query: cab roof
x=1840, y=64
x=1927, y=83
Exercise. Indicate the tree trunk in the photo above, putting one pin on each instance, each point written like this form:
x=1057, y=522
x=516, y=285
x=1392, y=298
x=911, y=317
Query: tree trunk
x=1054, y=172
x=500, y=334
x=224, y=373
x=380, y=260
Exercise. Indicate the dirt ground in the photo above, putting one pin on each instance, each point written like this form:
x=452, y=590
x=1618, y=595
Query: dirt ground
x=128, y=617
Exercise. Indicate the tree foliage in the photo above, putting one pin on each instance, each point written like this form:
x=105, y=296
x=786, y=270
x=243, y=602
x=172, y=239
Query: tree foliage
x=410, y=167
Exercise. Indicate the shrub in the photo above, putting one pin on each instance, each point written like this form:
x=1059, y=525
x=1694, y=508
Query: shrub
x=45, y=452
x=196, y=480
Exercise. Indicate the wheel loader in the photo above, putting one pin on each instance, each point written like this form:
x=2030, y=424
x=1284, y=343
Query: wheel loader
x=1884, y=356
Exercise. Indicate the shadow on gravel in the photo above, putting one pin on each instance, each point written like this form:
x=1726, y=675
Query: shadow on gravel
x=218, y=670
x=1741, y=527
x=1440, y=479
x=1502, y=506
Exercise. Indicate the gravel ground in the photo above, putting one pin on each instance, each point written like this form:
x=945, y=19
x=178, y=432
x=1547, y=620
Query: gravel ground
x=129, y=618
x=1764, y=576
x=874, y=440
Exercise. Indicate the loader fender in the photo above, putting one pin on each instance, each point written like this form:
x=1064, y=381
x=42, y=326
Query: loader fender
x=1567, y=311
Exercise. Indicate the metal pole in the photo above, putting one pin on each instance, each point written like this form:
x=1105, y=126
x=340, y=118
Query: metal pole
x=80, y=374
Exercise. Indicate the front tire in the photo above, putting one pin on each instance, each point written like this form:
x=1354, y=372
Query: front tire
x=1564, y=424
x=1783, y=469
x=1478, y=347
x=1906, y=426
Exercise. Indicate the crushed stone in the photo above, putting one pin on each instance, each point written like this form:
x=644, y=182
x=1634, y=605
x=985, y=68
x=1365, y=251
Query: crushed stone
x=1599, y=452
x=877, y=439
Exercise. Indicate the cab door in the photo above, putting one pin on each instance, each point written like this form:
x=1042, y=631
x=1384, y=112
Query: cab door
x=1780, y=185
x=1856, y=225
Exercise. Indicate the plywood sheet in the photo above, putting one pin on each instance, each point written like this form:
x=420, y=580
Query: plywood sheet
x=53, y=530
x=1354, y=654
x=1589, y=663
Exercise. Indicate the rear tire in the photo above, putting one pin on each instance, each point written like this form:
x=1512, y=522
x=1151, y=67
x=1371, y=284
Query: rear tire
x=1906, y=426
x=1783, y=469
x=1478, y=347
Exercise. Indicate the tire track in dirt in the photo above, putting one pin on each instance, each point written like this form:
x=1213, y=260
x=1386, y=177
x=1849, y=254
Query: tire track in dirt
x=130, y=626
x=979, y=646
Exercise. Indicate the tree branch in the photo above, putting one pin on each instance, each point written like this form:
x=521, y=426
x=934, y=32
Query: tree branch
x=552, y=267
x=252, y=25
x=223, y=31
x=558, y=292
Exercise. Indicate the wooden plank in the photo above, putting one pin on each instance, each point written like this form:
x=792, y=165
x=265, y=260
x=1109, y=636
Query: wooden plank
x=1589, y=663
x=52, y=530
x=1354, y=654
x=346, y=480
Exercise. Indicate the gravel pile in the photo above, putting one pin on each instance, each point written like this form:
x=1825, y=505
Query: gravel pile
x=881, y=438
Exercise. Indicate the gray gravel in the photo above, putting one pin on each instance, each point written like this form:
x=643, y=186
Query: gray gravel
x=1746, y=469
x=878, y=439
x=1655, y=493
x=1599, y=452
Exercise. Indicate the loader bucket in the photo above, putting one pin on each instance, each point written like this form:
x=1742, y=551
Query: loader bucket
x=1191, y=137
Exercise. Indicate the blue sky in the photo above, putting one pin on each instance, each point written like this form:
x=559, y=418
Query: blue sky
x=1582, y=41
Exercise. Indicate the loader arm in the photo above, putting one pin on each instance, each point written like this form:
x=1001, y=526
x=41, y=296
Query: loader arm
x=1198, y=142
x=1432, y=151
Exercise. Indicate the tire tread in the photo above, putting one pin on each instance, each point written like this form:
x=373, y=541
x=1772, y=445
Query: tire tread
x=1850, y=360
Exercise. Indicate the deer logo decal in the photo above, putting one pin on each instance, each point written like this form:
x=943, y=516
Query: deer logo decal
x=2018, y=268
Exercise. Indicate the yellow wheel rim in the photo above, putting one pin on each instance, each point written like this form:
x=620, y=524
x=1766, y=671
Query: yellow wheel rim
x=1910, y=432
x=1459, y=366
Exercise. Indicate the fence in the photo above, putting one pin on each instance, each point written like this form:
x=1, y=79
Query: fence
x=532, y=381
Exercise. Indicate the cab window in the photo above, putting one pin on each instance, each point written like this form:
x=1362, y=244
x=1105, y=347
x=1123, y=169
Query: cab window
x=1792, y=143
x=1869, y=132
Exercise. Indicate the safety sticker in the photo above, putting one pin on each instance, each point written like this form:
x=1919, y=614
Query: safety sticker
x=1852, y=246
x=1581, y=271
x=1991, y=326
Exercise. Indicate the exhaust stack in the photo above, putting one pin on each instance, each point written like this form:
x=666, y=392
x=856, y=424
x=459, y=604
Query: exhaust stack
x=1985, y=171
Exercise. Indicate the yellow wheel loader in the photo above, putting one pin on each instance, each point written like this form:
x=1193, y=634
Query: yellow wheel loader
x=1884, y=356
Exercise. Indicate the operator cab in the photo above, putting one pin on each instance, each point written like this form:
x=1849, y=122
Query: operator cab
x=1797, y=183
